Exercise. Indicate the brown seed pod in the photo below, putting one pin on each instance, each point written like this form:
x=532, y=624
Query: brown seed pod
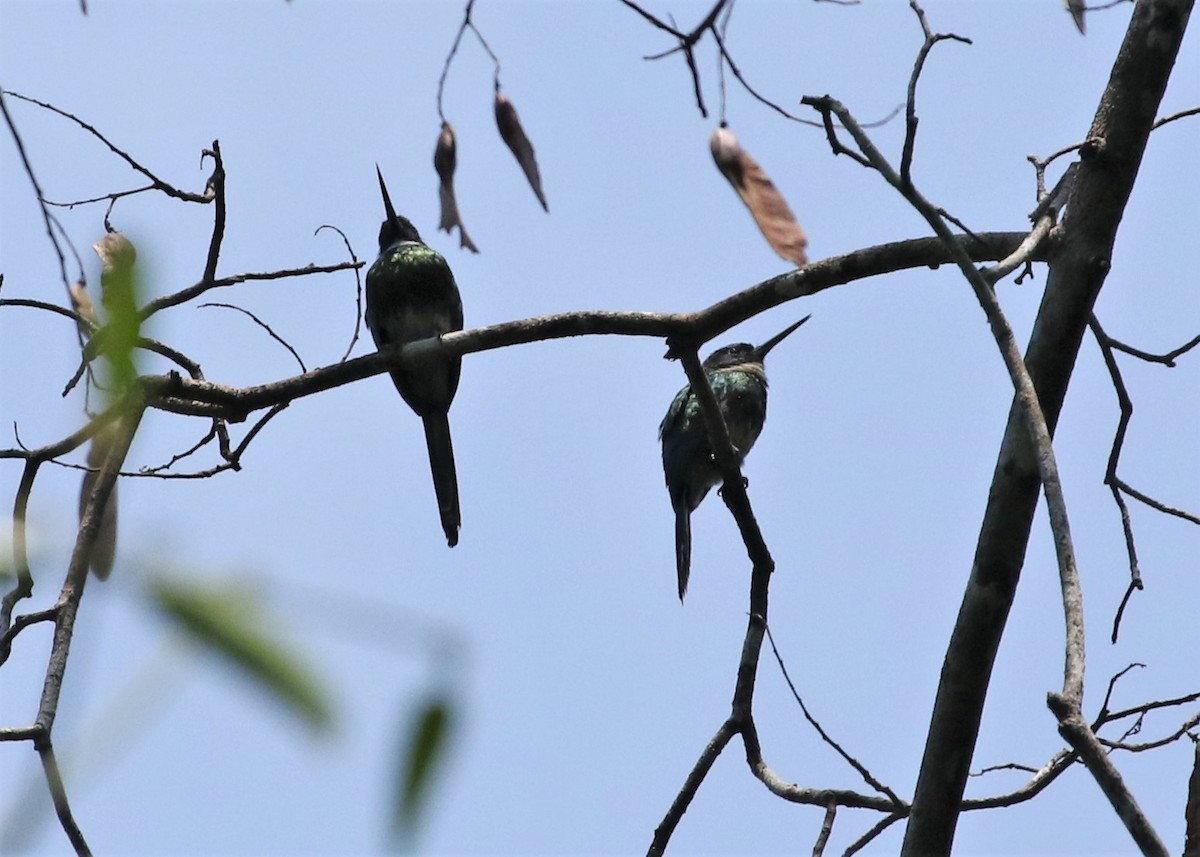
x=514, y=136
x=445, y=159
x=767, y=205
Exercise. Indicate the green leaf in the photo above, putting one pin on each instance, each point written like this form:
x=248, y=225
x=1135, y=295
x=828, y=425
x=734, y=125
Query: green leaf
x=229, y=621
x=421, y=755
x=119, y=295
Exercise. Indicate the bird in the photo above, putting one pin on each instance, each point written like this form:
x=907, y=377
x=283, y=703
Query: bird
x=412, y=295
x=739, y=382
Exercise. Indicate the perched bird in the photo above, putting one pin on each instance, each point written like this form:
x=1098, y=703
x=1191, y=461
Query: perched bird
x=739, y=383
x=411, y=295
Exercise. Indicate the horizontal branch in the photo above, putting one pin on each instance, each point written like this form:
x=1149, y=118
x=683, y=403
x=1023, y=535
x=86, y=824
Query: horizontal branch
x=682, y=330
x=193, y=291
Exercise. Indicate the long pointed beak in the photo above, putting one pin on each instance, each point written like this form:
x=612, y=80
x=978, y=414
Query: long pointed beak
x=387, y=200
x=760, y=353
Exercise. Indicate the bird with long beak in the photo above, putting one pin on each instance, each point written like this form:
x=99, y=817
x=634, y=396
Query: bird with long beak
x=411, y=295
x=739, y=382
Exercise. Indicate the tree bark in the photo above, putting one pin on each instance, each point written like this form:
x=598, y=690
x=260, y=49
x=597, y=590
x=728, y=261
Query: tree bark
x=1110, y=161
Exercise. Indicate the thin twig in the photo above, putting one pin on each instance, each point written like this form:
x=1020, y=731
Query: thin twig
x=1147, y=707
x=21, y=622
x=878, y=828
x=1171, y=738
x=358, y=288
x=214, y=189
x=23, y=588
x=1102, y=717
x=1023, y=385
x=1007, y=766
x=37, y=188
x=850, y=760
x=1191, y=111
x=826, y=829
x=911, y=119
x=462, y=28
x=662, y=833
x=159, y=184
x=108, y=197
x=1116, y=485
x=1167, y=358
x=687, y=43
x=1125, y=403
x=185, y=295
x=58, y=793
x=209, y=437
x=264, y=326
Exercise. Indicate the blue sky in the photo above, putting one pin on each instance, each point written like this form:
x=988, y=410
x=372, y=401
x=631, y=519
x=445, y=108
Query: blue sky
x=585, y=690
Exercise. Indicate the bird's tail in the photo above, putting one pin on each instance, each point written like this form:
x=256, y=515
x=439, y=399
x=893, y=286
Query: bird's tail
x=445, y=479
x=683, y=546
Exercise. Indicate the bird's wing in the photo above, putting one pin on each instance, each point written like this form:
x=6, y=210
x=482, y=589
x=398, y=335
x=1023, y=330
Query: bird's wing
x=671, y=422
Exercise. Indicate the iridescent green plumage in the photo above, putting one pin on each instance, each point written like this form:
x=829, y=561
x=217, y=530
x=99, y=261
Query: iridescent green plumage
x=739, y=383
x=411, y=295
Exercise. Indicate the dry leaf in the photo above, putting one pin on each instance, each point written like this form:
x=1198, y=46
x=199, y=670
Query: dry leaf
x=81, y=302
x=104, y=549
x=445, y=159
x=766, y=203
x=514, y=135
x=117, y=256
x=1076, y=8
x=115, y=251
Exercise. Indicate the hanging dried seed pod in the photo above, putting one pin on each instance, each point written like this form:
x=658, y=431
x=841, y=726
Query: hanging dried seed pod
x=514, y=135
x=758, y=192
x=1078, y=10
x=445, y=159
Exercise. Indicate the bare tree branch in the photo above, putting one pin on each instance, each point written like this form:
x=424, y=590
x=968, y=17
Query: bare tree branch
x=662, y=833
x=159, y=184
x=850, y=760
x=271, y=333
x=1118, y=486
x=205, y=398
x=1026, y=455
x=358, y=288
x=910, y=116
x=185, y=295
x=878, y=828
x=37, y=188
x=1167, y=358
x=1191, y=812
x=58, y=794
x=826, y=829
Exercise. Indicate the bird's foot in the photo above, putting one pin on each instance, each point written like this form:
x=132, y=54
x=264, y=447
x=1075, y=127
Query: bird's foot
x=721, y=490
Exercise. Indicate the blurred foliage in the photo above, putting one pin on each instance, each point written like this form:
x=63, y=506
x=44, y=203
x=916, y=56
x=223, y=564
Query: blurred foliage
x=229, y=621
x=119, y=296
x=425, y=738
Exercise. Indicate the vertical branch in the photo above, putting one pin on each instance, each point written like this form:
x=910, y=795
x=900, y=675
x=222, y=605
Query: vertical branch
x=441, y=86
x=1114, y=456
x=1191, y=812
x=37, y=189
x=1121, y=127
x=58, y=794
x=662, y=833
x=1026, y=400
x=741, y=718
x=24, y=584
x=911, y=120
x=216, y=186
x=1075, y=729
x=733, y=492
x=72, y=590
